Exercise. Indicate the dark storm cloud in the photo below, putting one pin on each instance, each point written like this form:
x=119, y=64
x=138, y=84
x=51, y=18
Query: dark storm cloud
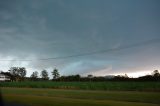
x=35, y=29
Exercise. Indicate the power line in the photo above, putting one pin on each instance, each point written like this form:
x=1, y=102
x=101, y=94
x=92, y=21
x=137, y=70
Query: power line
x=92, y=53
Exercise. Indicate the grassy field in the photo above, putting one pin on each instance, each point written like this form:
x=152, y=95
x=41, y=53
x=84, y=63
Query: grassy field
x=56, y=97
x=82, y=93
x=118, y=86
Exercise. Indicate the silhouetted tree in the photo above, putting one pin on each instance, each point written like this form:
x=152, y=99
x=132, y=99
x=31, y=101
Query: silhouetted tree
x=44, y=75
x=156, y=73
x=22, y=72
x=55, y=74
x=34, y=76
x=146, y=78
x=126, y=76
x=14, y=72
x=18, y=73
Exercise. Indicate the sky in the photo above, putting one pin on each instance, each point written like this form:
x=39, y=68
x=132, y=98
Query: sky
x=33, y=30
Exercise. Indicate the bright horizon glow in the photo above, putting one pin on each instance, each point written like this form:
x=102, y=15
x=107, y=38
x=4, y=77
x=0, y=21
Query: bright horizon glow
x=104, y=72
x=136, y=74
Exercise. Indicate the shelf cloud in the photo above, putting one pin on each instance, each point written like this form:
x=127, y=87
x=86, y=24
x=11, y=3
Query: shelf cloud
x=40, y=29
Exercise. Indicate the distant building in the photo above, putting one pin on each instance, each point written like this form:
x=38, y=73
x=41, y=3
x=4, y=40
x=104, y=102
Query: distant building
x=4, y=77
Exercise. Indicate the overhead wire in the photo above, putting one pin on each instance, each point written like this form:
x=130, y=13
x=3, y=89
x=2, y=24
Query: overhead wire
x=93, y=52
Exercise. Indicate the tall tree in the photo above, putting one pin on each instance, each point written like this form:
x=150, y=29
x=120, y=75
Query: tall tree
x=22, y=72
x=44, y=75
x=18, y=73
x=34, y=76
x=156, y=73
x=55, y=74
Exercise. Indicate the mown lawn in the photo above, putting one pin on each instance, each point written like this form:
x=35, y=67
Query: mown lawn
x=59, y=97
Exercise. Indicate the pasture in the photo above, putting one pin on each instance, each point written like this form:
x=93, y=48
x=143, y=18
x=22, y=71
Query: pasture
x=109, y=93
x=61, y=97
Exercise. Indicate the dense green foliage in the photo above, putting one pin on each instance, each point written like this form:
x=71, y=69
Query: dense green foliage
x=52, y=97
x=108, y=85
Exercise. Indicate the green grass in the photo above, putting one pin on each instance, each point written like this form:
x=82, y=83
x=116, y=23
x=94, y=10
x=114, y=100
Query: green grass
x=59, y=97
x=120, y=86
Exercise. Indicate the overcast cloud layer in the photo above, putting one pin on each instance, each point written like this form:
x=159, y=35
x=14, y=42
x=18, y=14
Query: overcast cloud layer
x=35, y=29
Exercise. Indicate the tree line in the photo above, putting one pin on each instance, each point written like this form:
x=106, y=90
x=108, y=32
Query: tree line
x=19, y=74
